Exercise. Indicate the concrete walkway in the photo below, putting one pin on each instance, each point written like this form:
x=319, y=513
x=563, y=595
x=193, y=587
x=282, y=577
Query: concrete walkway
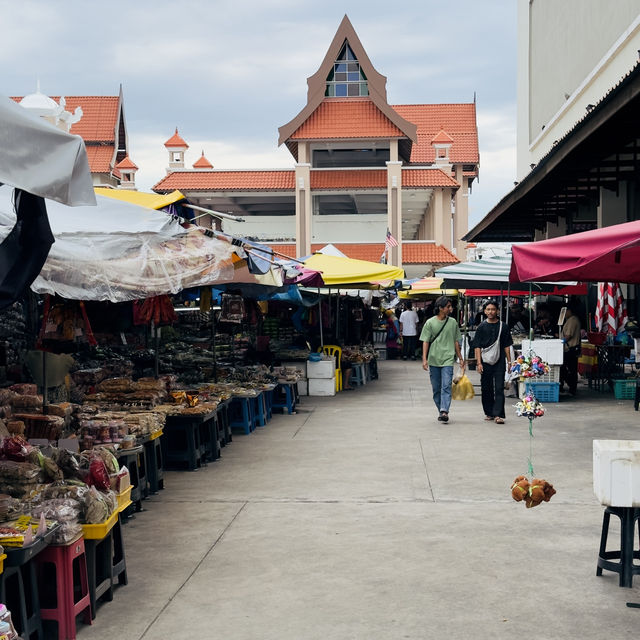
x=362, y=517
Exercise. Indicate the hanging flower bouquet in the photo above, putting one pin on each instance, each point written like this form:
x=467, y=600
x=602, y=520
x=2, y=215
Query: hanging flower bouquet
x=529, y=407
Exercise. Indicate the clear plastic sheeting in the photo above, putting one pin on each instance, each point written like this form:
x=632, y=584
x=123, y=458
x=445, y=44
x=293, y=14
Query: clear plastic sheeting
x=119, y=251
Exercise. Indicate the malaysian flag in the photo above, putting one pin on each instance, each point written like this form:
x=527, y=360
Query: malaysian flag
x=390, y=241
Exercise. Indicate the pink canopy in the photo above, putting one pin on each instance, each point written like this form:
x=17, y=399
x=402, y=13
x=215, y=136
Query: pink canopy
x=601, y=255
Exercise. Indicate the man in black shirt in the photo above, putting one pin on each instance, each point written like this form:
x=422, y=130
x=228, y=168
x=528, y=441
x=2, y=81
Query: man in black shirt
x=492, y=374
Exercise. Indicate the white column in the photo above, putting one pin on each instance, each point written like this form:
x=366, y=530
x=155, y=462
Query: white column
x=394, y=208
x=303, y=209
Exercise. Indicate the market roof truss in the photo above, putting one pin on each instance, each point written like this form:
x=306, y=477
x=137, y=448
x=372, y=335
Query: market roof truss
x=601, y=151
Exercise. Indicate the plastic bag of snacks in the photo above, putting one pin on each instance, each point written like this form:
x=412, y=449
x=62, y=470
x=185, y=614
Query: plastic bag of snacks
x=463, y=389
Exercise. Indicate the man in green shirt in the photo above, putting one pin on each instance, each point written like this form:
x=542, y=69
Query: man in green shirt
x=440, y=345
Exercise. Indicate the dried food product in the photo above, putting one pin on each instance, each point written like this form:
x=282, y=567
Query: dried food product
x=6, y=395
x=66, y=532
x=25, y=388
x=26, y=401
x=96, y=507
x=111, y=385
x=16, y=448
x=16, y=427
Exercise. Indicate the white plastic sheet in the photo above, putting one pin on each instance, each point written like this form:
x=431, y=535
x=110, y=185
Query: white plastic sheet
x=41, y=159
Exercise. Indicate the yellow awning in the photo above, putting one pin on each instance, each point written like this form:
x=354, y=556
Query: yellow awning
x=427, y=288
x=149, y=200
x=337, y=271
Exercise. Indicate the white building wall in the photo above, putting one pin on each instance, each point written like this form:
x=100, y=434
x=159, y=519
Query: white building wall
x=574, y=48
x=346, y=228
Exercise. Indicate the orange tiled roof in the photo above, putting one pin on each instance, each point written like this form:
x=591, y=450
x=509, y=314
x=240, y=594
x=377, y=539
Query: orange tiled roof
x=99, y=116
x=426, y=252
x=321, y=179
x=352, y=118
x=458, y=120
x=176, y=141
x=228, y=181
x=412, y=252
x=427, y=178
x=100, y=157
x=442, y=137
x=202, y=163
x=126, y=163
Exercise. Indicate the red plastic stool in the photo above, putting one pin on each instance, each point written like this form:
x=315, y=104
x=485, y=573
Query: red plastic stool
x=71, y=586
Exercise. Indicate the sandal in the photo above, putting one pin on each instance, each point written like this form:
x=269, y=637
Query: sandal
x=488, y=418
x=499, y=420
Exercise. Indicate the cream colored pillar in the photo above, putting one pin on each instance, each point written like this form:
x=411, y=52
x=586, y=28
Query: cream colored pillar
x=461, y=215
x=438, y=217
x=303, y=201
x=394, y=207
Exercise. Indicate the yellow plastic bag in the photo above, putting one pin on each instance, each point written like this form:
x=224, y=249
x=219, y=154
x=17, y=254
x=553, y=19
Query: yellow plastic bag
x=463, y=389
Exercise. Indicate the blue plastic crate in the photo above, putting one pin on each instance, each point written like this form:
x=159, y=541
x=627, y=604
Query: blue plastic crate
x=544, y=391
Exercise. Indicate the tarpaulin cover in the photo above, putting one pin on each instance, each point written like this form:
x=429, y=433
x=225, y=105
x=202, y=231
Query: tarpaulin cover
x=41, y=159
x=487, y=273
x=601, y=255
x=119, y=251
x=337, y=271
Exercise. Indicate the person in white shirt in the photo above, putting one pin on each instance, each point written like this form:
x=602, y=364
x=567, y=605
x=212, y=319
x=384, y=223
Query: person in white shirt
x=408, y=323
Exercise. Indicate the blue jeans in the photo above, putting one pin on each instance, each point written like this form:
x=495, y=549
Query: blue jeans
x=441, y=378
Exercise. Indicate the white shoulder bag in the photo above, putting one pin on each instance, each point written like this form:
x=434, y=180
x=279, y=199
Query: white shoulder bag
x=491, y=354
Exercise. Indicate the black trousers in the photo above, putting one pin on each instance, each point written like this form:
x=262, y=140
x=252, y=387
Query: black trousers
x=569, y=369
x=492, y=389
x=409, y=346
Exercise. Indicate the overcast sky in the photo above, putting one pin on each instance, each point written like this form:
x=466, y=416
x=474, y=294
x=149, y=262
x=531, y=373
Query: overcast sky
x=229, y=73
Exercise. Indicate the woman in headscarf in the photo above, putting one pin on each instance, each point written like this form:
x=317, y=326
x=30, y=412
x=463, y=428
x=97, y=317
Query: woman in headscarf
x=393, y=335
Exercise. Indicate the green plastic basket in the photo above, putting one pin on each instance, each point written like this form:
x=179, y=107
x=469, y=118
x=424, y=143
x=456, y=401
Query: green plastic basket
x=624, y=389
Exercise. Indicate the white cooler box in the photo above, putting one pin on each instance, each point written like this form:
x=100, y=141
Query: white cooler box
x=322, y=368
x=303, y=387
x=616, y=472
x=550, y=350
x=322, y=386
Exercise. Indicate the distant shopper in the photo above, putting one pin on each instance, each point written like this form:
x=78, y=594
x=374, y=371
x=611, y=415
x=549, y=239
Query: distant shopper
x=518, y=320
x=492, y=343
x=440, y=345
x=571, y=338
x=393, y=335
x=408, y=323
x=543, y=324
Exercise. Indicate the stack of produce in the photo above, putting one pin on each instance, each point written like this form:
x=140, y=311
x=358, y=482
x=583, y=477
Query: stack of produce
x=358, y=354
x=56, y=487
x=119, y=393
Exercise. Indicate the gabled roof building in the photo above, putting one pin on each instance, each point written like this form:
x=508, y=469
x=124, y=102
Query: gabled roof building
x=100, y=122
x=360, y=166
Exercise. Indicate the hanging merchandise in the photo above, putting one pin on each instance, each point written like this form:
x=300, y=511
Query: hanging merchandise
x=64, y=325
x=232, y=308
x=205, y=299
x=158, y=310
x=528, y=366
x=525, y=488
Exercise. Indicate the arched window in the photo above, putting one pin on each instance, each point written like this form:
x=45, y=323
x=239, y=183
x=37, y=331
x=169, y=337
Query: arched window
x=346, y=78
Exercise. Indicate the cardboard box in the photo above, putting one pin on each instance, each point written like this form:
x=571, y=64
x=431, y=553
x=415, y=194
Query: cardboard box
x=321, y=369
x=616, y=472
x=322, y=386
